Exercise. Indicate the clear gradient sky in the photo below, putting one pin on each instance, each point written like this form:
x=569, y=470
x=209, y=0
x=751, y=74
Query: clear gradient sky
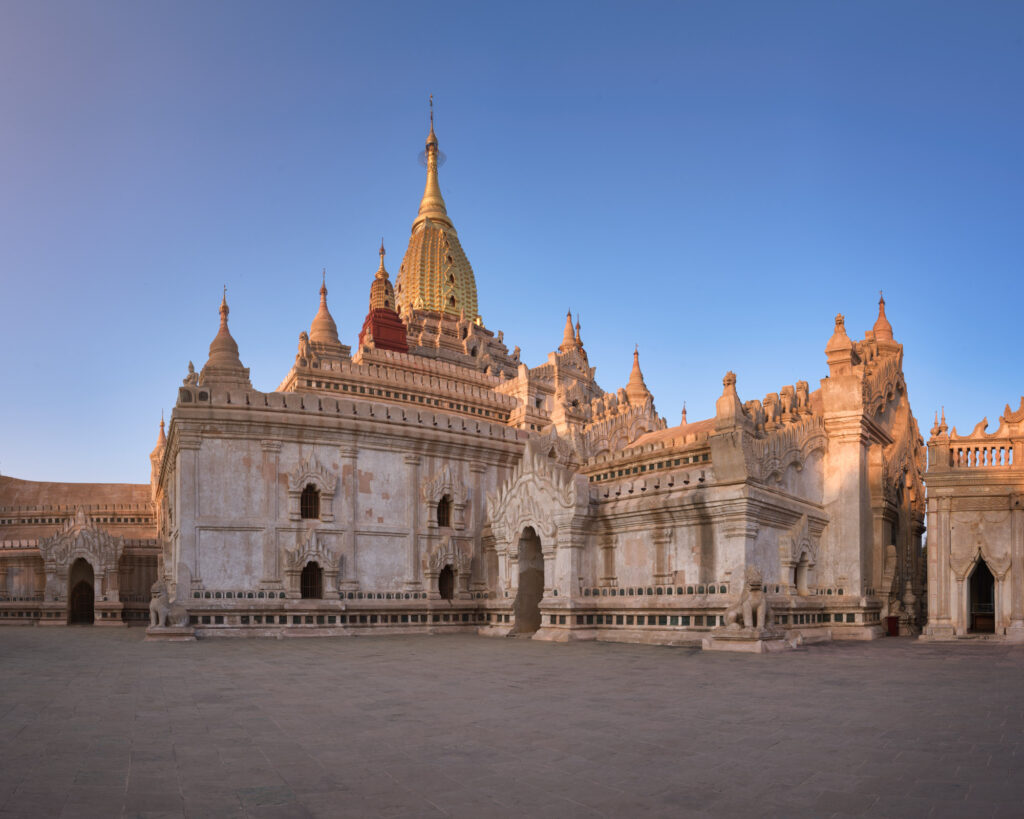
x=713, y=181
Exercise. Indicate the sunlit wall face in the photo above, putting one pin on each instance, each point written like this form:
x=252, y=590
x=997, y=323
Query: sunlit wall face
x=712, y=182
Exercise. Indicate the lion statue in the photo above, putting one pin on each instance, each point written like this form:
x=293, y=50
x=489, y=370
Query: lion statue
x=162, y=612
x=752, y=606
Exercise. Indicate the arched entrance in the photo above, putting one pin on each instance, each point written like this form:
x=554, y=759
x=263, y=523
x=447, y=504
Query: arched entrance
x=81, y=593
x=446, y=583
x=311, y=583
x=800, y=575
x=981, y=605
x=531, y=583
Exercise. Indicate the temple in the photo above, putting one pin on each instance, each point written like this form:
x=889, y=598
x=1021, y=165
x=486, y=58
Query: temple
x=428, y=479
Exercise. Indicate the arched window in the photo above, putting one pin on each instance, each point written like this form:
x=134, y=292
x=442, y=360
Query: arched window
x=444, y=511
x=312, y=581
x=309, y=502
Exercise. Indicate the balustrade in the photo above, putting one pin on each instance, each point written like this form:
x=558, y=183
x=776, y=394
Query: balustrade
x=967, y=455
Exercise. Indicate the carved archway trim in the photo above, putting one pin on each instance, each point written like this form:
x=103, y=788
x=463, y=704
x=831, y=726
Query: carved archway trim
x=79, y=538
x=312, y=471
x=445, y=482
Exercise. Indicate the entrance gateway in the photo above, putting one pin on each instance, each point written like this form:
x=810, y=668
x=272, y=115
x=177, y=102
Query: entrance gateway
x=531, y=583
x=81, y=593
x=982, y=600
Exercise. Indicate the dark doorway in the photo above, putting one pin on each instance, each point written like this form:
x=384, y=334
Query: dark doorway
x=312, y=581
x=446, y=583
x=531, y=583
x=982, y=600
x=81, y=594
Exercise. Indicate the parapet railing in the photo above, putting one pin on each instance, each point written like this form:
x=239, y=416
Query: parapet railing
x=967, y=454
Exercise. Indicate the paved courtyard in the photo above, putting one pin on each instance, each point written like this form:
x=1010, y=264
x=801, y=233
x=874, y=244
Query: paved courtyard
x=100, y=723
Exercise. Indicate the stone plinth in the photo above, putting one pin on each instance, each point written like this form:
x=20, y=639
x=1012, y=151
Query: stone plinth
x=108, y=613
x=753, y=641
x=170, y=634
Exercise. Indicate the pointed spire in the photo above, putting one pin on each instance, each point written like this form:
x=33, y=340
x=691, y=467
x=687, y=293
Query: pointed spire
x=568, y=337
x=381, y=272
x=161, y=438
x=323, y=330
x=432, y=204
x=882, y=328
x=224, y=365
x=636, y=389
x=684, y=421
x=223, y=349
x=579, y=341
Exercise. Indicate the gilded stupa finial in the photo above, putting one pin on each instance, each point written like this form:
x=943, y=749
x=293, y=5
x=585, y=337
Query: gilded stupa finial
x=382, y=273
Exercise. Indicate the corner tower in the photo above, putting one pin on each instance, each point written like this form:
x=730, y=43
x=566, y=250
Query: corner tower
x=435, y=274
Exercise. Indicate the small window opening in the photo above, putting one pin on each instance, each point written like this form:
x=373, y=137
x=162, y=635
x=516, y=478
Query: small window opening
x=312, y=581
x=446, y=583
x=444, y=511
x=451, y=301
x=309, y=502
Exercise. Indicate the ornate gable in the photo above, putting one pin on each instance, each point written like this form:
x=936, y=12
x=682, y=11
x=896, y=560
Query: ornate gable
x=311, y=471
x=540, y=494
x=80, y=537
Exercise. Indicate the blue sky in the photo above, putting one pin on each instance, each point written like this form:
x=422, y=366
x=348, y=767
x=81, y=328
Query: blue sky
x=710, y=180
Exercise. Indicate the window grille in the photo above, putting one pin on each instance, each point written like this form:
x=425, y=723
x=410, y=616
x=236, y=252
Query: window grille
x=309, y=503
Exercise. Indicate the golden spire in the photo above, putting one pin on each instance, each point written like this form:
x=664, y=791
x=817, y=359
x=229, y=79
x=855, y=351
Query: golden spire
x=381, y=272
x=432, y=204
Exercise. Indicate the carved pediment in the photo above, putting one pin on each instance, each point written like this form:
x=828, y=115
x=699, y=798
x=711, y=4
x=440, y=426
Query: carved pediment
x=312, y=471
x=787, y=446
x=445, y=482
x=796, y=542
x=449, y=553
x=314, y=549
x=540, y=493
x=80, y=537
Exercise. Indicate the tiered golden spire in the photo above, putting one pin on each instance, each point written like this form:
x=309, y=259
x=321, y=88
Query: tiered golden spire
x=435, y=274
x=432, y=204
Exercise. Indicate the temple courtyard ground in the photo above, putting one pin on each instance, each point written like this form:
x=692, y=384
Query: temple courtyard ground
x=99, y=723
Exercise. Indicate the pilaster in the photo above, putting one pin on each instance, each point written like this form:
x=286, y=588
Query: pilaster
x=271, y=559
x=413, y=570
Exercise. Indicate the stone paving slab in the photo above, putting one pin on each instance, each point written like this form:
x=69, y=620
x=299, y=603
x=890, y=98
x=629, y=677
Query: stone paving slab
x=99, y=723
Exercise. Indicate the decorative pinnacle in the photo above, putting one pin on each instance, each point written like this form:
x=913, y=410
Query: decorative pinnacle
x=323, y=283
x=224, y=307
